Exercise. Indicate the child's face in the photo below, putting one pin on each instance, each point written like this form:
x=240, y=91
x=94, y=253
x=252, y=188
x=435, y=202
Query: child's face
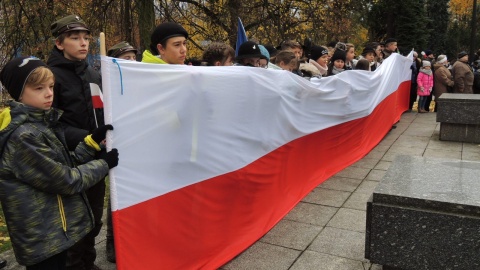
x=38, y=95
x=339, y=63
x=297, y=51
x=175, y=50
x=392, y=46
x=128, y=56
x=427, y=67
x=350, y=54
x=323, y=60
x=75, y=46
x=263, y=63
x=370, y=56
x=252, y=62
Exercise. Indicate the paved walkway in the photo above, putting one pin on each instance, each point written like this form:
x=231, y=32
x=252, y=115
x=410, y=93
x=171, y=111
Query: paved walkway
x=326, y=230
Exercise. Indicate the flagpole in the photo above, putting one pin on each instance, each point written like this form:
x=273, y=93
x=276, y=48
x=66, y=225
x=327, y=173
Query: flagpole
x=103, y=51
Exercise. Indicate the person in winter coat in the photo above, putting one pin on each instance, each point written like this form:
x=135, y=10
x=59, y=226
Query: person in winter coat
x=337, y=63
x=75, y=81
x=41, y=181
x=462, y=75
x=317, y=65
x=425, y=85
x=443, y=78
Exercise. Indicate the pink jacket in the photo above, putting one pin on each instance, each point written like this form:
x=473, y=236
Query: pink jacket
x=425, y=81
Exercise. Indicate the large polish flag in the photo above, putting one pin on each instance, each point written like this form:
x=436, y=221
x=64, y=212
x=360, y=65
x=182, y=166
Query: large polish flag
x=211, y=158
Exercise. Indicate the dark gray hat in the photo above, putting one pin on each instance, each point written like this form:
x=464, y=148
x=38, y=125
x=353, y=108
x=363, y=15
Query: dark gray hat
x=121, y=48
x=461, y=54
x=16, y=72
x=67, y=24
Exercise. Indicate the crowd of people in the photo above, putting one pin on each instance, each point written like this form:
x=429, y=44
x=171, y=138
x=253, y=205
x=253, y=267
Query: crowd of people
x=53, y=137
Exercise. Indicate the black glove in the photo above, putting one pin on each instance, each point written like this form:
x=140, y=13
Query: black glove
x=110, y=157
x=98, y=135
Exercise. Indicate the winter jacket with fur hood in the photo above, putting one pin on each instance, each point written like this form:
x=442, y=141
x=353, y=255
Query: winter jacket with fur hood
x=41, y=189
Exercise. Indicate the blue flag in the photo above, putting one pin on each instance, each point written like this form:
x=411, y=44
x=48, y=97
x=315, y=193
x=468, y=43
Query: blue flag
x=241, y=36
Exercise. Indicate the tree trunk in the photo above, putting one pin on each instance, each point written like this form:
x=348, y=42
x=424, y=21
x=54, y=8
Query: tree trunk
x=146, y=22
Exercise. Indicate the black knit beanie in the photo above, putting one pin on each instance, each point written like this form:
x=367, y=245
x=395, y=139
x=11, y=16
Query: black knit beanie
x=338, y=54
x=16, y=72
x=317, y=52
x=165, y=31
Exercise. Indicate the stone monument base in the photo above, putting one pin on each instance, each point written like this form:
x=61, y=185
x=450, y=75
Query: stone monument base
x=425, y=214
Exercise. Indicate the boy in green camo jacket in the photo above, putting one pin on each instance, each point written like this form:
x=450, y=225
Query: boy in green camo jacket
x=41, y=182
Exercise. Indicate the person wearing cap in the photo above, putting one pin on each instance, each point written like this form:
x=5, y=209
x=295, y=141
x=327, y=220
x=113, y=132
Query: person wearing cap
x=462, y=74
x=368, y=54
x=123, y=50
x=317, y=65
x=42, y=182
x=74, y=82
x=168, y=45
x=337, y=62
x=249, y=54
x=443, y=78
x=391, y=46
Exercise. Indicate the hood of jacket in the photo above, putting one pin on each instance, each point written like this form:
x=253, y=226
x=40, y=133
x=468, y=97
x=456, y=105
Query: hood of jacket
x=57, y=60
x=18, y=113
x=148, y=57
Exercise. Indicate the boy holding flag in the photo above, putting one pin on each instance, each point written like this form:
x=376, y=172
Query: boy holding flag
x=75, y=84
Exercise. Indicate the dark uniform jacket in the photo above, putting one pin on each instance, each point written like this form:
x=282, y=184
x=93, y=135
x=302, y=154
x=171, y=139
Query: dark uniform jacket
x=73, y=96
x=41, y=189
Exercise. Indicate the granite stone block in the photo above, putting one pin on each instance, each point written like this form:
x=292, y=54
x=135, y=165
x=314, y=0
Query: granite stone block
x=460, y=132
x=459, y=117
x=459, y=108
x=425, y=214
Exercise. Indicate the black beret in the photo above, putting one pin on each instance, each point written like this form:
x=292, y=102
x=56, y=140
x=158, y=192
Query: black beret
x=67, y=24
x=249, y=49
x=121, y=48
x=165, y=31
x=15, y=74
